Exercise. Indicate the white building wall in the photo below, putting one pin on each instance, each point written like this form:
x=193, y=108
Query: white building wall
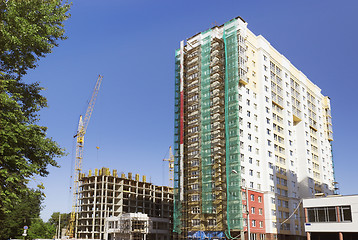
x=329, y=202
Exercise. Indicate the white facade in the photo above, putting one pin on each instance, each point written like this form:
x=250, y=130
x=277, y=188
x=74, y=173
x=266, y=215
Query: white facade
x=136, y=226
x=348, y=223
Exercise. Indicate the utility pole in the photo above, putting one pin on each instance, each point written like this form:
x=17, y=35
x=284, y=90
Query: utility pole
x=248, y=213
x=59, y=225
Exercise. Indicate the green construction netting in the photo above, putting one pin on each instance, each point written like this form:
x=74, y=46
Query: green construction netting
x=206, y=162
x=177, y=203
x=233, y=175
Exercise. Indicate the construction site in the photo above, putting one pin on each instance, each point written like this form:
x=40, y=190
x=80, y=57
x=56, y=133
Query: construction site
x=104, y=194
x=244, y=152
x=111, y=206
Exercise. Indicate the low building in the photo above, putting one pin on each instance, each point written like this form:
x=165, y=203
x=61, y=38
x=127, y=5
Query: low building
x=136, y=226
x=332, y=217
x=105, y=194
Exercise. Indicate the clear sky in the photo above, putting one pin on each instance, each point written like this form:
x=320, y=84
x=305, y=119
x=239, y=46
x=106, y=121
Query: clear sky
x=132, y=43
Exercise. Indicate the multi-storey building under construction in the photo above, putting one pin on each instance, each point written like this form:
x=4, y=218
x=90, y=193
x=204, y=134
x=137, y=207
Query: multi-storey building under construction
x=252, y=138
x=105, y=194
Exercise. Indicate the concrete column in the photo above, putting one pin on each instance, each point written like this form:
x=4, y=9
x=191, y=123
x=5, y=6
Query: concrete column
x=308, y=236
x=340, y=236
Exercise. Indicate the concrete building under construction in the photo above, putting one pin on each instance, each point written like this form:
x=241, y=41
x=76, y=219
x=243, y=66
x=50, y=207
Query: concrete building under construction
x=104, y=194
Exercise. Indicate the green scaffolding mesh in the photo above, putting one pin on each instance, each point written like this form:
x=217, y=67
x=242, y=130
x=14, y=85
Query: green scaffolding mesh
x=233, y=174
x=177, y=203
x=206, y=162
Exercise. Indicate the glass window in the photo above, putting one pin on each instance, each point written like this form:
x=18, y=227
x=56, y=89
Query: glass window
x=346, y=214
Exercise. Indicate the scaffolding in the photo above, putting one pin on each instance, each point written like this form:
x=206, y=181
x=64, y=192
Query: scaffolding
x=206, y=133
x=233, y=176
x=206, y=159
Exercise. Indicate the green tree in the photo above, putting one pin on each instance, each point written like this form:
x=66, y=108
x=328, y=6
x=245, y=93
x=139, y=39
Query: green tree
x=41, y=230
x=22, y=212
x=29, y=29
x=65, y=218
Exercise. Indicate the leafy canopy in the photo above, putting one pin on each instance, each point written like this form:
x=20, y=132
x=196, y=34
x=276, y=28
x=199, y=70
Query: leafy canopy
x=29, y=29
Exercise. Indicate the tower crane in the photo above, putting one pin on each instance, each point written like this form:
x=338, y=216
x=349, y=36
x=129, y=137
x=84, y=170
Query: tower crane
x=81, y=131
x=171, y=167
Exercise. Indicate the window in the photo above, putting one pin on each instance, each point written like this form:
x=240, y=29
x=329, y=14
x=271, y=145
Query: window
x=251, y=184
x=249, y=136
x=253, y=223
x=248, y=113
x=195, y=163
x=251, y=172
x=195, y=222
x=259, y=198
x=195, y=186
x=248, y=102
x=195, y=210
x=261, y=224
x=252, y=197
x=195, y=197
x=346, y=214
x=253, y=210
x=270, y=165
x=260, y=211
x=212, y=222
x=250, y=160
x=329, y=214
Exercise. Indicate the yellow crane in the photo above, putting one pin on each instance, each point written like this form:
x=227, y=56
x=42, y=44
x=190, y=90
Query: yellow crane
x=171, y=167
x=81, y=131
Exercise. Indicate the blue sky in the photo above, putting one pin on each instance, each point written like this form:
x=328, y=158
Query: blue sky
x=132, y=42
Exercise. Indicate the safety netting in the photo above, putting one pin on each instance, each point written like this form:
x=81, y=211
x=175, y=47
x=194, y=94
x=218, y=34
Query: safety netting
x=177, y=203
x=206, y=162
x=233, y=175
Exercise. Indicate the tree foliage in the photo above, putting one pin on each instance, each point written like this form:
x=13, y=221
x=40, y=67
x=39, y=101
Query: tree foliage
x=21, y=212
x=65, y=219
x=29, y=29
x=41, y=230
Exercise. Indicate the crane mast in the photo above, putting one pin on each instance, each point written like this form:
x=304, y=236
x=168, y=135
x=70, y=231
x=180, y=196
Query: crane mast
x=171, y=167
x=81, y=131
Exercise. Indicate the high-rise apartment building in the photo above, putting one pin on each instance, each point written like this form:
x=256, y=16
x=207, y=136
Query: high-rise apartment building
x=252, y=138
